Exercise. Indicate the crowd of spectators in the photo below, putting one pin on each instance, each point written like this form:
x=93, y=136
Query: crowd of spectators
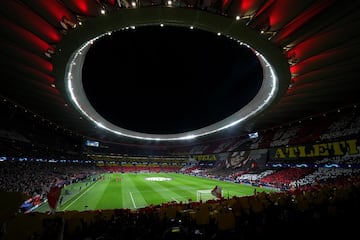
x=316, y=202
x=34, y=178
x=316, y=207
x=322, y=211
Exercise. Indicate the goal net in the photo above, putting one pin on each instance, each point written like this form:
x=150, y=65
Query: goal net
x=204, y=195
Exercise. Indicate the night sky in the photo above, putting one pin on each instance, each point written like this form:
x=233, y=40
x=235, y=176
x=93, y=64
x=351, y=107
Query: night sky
x=164, y=80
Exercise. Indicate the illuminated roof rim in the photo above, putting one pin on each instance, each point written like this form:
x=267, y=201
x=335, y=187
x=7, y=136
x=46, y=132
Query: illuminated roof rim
x=73, y=55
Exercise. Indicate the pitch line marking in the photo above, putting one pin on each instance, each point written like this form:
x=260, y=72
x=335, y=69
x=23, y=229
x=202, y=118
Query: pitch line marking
x=80, y=196
x=132, y=199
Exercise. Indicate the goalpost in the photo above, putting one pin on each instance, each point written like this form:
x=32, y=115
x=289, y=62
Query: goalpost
x=204, y=195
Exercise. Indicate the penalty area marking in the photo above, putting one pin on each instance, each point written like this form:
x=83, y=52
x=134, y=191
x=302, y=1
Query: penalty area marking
x=132, y=199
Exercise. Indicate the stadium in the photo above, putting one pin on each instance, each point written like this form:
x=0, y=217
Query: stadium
x=179, y=119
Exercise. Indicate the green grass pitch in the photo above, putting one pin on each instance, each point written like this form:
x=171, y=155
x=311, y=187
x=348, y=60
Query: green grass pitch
x=136, y=190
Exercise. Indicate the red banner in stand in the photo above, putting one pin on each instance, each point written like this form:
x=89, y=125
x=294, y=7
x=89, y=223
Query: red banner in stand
x=53, y=196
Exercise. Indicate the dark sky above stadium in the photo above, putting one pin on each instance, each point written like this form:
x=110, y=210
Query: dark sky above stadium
x=164, y=80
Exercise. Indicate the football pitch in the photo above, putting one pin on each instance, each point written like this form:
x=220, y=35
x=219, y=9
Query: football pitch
x=138, y=190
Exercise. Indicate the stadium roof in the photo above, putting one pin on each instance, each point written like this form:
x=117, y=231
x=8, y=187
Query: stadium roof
x=309, y=52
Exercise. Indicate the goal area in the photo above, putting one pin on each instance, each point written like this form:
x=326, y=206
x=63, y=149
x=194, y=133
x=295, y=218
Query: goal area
x=204, y=195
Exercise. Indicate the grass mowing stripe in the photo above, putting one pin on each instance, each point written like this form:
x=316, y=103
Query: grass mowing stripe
x=82, y=194
x=182, y=187
x=174, y=188
x=132, y=191
x=112, y=194
x=230, y=189
x=188, y=186
x=193, y=183
x=147, y=190
x=132, y=184
x=162, y=192
x=90, y=199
